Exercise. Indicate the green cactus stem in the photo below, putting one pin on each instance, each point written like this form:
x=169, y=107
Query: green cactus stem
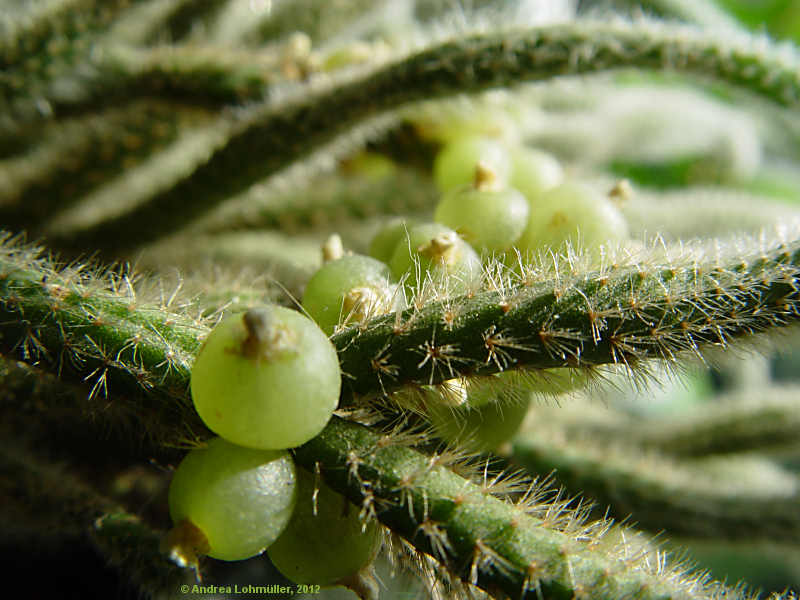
x=98, y=147
x=701, y=12
x=325, y=202
x=766, y=420
x=47, y=53
x=258, y=147
x=617, y=314
x=726, y=498
x=96, y=333
x=55, y=415
x=483, y=540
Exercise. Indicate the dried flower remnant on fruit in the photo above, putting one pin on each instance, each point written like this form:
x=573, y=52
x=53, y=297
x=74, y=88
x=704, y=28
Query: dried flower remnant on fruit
x=348, y=291
x=363, y=584
x=441, y=249
x=298, y=61
x=265, y=339
x=332, y=249
x=621, y=193
x=362, y=303
x=184, y=543
x=485, y=177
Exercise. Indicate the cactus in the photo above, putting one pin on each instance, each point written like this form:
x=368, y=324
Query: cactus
x=177, y=162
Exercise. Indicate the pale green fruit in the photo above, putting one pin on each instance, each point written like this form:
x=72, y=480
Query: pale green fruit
x=546, y=382
x=268, y=378
x=572, y=214
x=386, y=239
x=534, y=171
x=435, y=251
x=349, y=291
x=240, y=499
x=552, y=382
x=454, y=165
x=326, y=547
x=481, y=428
x=456, y=119
x=489, y=219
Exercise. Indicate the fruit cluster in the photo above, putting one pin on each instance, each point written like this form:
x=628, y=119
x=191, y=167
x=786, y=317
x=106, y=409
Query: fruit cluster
x=268, y=380
x=265, y=381
x=500, y=202
x=512, y=198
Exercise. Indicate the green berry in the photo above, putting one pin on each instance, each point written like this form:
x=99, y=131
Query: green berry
x=229, y=502
x=369, y=165
x=548, y=382
x=534, y=171
x=454, y=165
x=435, y=251
x=485, y=390
x=325, y=541
x=386, y=239
x=488, y=216
x=350, y=290
x=573, y=214
x=268, y=378
x=478, y=428
x=553, y=382
x=456, y=119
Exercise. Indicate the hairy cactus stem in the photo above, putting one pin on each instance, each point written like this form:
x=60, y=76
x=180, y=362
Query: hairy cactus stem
x=480, y=538
x=621, y=315
x=268, y=137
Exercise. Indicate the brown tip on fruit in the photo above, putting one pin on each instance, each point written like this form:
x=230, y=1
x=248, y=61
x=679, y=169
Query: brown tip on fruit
x=621, y=192
x=266, y=339
x=184, y=543
x=363, y=583
x=485, y=177
x=332, y=249
x=440, y=247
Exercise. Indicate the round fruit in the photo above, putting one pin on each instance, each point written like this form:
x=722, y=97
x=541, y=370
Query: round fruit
x=485, y=390
x=369, y=165
x=325, y=541
x=554, y=381
x=387, y=238
x=547, y=382
x=436, y=251
x=573, y=214
x=350, y=290
x=480, y=428
x=455, y=163
x=268, y=378
x=437, y=122
x=489, y=216
x=230, y=502
x=534, y=171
